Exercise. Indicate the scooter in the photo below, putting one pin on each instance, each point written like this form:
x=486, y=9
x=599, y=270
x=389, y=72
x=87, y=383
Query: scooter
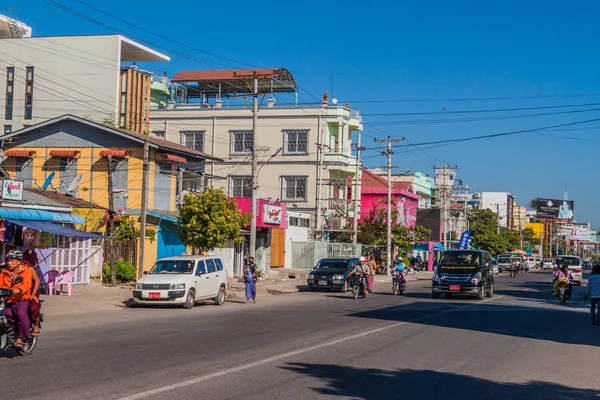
x=398, y=283
x=8, y=337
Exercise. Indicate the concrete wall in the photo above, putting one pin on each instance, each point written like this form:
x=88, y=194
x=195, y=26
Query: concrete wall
x=72, y=74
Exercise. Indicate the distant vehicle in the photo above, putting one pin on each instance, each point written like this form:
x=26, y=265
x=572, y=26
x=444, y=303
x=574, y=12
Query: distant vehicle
x=530, y=262
x=466, y=272
x=331, y=274
x=538, y=262
x=575, y=267
x=548, y=263
x=587, y=263
x=504, y=263
x=183, y=280
x=495, y=267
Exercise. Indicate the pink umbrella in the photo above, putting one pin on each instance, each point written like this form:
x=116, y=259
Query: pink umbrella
x=519, y=252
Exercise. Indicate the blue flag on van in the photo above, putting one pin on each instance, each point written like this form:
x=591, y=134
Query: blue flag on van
x=464, y=240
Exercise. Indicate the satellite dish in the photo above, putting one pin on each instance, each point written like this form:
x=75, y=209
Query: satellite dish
x=73, y=186
x=48, y=181
x=334, y=101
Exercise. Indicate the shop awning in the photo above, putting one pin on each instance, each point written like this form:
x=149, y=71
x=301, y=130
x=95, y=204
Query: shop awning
x=114, y=153
x=40, y=215
x=19, y=153
x=64, y=153
x=174, y=158
x=161, y=216
x=56, y=229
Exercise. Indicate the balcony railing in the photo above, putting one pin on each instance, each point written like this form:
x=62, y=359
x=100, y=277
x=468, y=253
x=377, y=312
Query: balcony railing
x=355, y=114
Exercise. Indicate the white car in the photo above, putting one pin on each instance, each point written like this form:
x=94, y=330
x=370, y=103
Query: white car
x=548, y=263
x=530, y=262
x=575, y=267
x=183, y=280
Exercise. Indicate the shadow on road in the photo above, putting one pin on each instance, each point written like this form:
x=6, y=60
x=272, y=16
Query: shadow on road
x=378, y=384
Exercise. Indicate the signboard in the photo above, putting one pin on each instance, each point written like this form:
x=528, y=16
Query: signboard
x=12, y=190
x=272, y=214
x=528, y=250
x=555, y=209
x=580, y=234
x=463, y=244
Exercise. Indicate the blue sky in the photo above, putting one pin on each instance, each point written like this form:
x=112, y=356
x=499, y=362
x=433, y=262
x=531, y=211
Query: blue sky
x=437, y=51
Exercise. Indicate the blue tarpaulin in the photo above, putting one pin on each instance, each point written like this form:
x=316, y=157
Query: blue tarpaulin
x=40, y=215
x=56, y=229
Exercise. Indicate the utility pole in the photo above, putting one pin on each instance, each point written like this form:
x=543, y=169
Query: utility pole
x=389, y=167
x=498, y=217
x=520, y=229
x=144, y=206
x=359, y=148
x=254, y=209
x=466, y=208
x=444, y=199
x=111, y=216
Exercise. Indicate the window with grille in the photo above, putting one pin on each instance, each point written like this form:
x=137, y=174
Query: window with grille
x=7, y=129
x=193, y=139
x=240, y=186
x=10, y=82
x=29, y=93
x=296, y=142
x=241, y=142
x=294, y=188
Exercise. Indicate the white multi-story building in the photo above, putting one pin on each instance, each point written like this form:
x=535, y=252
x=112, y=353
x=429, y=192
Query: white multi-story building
x=501, y=203
x=92, y=77
x=304, y=153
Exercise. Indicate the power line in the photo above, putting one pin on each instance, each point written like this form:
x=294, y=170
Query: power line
x=476, y=98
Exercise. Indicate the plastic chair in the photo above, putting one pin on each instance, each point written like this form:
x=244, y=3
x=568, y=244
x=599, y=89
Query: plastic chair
x=65, y=278
x=49, y=281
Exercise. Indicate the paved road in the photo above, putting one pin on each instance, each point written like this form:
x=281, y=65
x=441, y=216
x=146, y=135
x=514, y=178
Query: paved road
x=518, y=344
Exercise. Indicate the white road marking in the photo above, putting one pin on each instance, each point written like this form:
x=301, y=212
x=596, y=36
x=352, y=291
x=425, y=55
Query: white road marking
x=264, y=361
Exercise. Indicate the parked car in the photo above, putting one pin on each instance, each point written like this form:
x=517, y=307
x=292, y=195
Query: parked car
x=575, y=267
x=466, y=272
x=548, y=263
x=331, y=274
x=183, y=280
x=538, y=262
x=530, y=262
x=504, y=263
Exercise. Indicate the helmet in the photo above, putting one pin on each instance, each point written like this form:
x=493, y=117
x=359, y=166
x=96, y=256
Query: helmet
x=363, y=259
x=14, y=255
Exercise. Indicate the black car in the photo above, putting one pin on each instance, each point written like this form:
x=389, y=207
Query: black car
x=332, y=274
x=466, y=272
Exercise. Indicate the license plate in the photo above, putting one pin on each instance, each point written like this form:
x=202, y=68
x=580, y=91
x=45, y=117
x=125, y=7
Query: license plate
x=454, y=287
x=322, y=283
x=154, y=295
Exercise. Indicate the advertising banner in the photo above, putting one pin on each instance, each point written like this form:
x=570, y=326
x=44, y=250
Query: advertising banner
x=12, y=190
x=272, y=214
x=555, y=209
x=463, y=244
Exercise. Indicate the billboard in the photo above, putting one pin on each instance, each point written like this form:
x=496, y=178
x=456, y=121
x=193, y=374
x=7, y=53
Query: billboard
x=555, y=209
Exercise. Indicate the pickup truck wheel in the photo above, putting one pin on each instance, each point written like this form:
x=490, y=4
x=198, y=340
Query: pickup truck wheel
x=190, y=300
x=220, y=299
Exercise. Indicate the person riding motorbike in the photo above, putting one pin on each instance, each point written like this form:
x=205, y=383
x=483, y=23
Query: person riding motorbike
x=362, y=270
x=561, y=275
x=17, y=305
x=398, y=272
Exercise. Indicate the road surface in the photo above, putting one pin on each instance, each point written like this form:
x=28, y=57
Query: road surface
x=519, y=344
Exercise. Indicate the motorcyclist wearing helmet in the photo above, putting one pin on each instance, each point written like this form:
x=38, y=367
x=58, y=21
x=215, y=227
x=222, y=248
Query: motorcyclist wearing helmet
x=17, y=305
x=561, y=275
x=362, y=268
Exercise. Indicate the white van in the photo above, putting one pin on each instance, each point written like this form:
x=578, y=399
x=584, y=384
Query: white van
x=183, y=280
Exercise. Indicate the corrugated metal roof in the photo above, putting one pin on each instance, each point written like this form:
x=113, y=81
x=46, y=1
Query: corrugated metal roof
x=59, y=199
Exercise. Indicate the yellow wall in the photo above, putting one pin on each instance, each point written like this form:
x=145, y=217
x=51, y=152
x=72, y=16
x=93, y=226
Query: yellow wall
x=538, y=229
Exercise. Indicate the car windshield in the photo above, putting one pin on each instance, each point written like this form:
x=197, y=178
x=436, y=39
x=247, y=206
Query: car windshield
x=459, y=261
x=504, y=260
x=331, y=264
x=548, y=260
x=172, y=267
x=567, y=260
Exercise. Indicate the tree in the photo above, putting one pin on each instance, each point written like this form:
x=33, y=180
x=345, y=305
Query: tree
x=371, y=228
x=404, y=238
x=485, y=236
x=528, y=235
x=210, y=220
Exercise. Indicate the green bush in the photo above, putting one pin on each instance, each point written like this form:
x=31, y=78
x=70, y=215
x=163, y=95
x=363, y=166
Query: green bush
x=125, y=272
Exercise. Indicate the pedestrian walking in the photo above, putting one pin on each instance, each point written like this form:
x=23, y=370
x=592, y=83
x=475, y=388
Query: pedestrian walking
x=371, y=275
x=593, y=293
x=250, y=280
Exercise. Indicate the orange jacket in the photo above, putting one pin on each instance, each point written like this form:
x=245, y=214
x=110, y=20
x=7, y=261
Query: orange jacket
x=6, y=281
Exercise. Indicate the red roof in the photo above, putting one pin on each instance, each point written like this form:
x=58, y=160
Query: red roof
x=64, y=153
x=174, y=158
x=372, y=181
x=403, y=186
x=114, y=153
x=19, y=153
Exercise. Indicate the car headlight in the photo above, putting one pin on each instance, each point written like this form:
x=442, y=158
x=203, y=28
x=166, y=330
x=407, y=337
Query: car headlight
x=477, y=278
x=436, y=277
x=139, y=286
x=177, y=286
x=338, y=277
x=311, y=276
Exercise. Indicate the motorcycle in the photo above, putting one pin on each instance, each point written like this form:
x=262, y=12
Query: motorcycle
x=359, y=286
x=8, y=337
x=398, y=283
x=564, y=292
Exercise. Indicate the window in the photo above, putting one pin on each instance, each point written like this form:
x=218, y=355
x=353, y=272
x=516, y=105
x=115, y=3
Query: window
x=219, y=264
x=193, y=139
x=294, y=188
x=67, y=172
x=300, y=222
x=24, y=171
x=210, y=266
x=201, y=268
x=7, y=129
x=241, y=142
x=29, y=93
x=10, y=81
x=159, y=134
x=162, y=186
x=296, y=142
x=240, y=186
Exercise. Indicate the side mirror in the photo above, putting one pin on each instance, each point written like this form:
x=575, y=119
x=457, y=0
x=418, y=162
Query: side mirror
x=145, y=272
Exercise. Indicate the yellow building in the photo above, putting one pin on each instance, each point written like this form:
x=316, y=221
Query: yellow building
x=71, y=155
x=537, y=227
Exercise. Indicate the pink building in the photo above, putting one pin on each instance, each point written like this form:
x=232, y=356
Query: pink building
x=374, y=196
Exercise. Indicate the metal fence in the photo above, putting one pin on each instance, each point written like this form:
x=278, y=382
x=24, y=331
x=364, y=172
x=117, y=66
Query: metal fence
x=306, y=255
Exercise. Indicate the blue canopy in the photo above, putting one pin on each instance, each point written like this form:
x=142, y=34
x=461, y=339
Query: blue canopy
x=56, y=229
x=30, y=214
